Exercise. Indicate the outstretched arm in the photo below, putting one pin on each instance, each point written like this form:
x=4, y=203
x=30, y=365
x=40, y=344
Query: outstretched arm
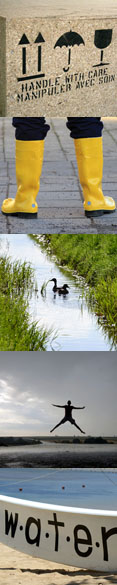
x=78, y=407
x=58, y=405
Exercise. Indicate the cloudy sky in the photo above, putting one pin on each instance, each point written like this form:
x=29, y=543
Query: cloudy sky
x=31, y=382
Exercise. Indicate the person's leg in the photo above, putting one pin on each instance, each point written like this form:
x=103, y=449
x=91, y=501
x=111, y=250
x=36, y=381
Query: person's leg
x=73, y=422
x=30, y=128
x=63, y=420
x=85, y=127
x=30, y=134
x=87, y=135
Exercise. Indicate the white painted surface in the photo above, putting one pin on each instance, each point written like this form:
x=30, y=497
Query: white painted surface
x=68, y=535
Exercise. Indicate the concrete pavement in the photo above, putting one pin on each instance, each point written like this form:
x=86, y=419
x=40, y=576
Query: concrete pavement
x=60, y=199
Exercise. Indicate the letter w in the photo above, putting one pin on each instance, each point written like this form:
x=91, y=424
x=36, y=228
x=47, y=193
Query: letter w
x=10, y=523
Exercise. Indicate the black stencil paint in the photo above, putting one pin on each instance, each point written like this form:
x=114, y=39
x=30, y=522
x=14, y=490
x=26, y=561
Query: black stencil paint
x=24, y=41
x=11, y=523
x=102, y=39
x=84, y=541
x=37, y=523
x=105, y=535
x=24, y=60
x=39, y=40
x=69, y=39
x=56, y=524
x=80, y=537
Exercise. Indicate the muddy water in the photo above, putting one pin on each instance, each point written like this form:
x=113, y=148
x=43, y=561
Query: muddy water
x=76, y=326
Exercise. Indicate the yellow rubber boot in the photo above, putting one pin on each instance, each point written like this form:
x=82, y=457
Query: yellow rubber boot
x=29, y=159
x=89, y=155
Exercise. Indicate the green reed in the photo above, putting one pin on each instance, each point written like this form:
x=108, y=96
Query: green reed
x=94, y=257
x=16, y=286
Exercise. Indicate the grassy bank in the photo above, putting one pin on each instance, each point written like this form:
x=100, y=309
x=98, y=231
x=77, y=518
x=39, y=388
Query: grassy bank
x=16, y=286
x=93, y=257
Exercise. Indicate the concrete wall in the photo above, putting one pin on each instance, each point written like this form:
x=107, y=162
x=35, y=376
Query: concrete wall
x=2, y=66
x=43, y=78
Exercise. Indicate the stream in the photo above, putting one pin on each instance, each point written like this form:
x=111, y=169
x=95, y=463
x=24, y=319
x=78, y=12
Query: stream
x=69, y=317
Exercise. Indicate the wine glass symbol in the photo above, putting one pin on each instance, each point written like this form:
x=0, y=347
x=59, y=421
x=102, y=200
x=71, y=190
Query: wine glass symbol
x=102, y=39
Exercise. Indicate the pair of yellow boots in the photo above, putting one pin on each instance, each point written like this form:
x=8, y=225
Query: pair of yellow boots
x=29, y=160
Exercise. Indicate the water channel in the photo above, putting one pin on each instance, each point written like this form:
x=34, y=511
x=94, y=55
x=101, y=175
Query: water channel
x=76, y=325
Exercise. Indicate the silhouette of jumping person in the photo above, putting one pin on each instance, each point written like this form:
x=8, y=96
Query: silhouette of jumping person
x=68, y=415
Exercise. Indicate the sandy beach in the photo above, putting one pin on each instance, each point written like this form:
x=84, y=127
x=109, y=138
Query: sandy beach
x=21, y=569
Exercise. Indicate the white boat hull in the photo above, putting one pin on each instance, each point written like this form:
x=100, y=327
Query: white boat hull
x=85, y=538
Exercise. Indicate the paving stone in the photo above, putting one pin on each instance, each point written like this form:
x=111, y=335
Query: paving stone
x=60, y=197
x=54, y=226
x=3, y=224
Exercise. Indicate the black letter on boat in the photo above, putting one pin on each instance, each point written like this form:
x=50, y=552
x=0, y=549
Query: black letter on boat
x=105, y=536
x=82, y=541
x=36, y=539
x=56, y=524
x=10, y=523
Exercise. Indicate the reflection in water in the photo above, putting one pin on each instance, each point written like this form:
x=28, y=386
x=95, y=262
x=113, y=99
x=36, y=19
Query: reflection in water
x=59, y=455
x=56, y=447
x=70, y=316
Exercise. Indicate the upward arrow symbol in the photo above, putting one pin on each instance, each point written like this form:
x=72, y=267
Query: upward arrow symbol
x=39, y=39
x=24, y=40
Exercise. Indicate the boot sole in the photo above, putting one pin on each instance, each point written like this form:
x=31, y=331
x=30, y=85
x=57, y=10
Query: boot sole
x=22, y=215
x=98, y=213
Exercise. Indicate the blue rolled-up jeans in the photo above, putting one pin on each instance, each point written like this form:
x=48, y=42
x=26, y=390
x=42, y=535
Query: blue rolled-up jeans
x=37, y=128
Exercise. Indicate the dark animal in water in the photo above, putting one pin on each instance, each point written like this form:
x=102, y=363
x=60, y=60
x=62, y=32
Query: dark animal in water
x=62, y=290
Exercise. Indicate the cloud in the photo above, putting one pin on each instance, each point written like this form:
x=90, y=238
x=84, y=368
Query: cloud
x=32, y=382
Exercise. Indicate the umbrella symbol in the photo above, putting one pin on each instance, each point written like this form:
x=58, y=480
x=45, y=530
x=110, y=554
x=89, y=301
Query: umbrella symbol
x=69, y=39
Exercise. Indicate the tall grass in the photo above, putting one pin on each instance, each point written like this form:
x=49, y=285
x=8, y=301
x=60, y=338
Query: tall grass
x=16, y=286
x=93, y=257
